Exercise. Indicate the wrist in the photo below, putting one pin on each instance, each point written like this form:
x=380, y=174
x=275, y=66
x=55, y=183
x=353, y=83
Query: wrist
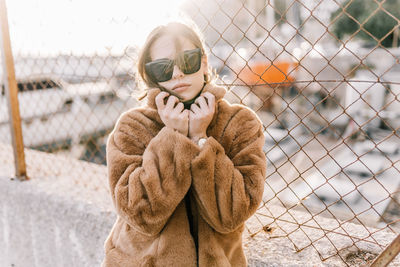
x=183, y=132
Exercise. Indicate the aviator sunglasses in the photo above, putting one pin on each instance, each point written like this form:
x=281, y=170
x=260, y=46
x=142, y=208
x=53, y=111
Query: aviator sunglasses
x=161, y=70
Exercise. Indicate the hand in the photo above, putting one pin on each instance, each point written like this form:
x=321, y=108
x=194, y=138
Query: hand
x=173, y=117
x=200, y=115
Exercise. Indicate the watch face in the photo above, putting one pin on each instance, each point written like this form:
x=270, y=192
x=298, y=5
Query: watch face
x=202, y=141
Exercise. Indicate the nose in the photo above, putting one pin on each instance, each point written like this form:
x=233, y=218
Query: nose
x=177, y=73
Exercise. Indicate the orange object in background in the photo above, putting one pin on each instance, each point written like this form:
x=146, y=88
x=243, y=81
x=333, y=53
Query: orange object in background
x=271, y=74
x=267, y=81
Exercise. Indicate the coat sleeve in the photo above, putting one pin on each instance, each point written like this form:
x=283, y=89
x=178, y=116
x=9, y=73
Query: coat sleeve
x=148, y=175
x=228, y=185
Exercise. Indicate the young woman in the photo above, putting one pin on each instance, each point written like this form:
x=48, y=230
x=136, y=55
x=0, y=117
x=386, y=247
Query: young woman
x=186, y=170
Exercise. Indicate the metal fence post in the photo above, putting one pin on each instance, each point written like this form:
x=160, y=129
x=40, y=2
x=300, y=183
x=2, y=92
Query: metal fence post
x=12, y=95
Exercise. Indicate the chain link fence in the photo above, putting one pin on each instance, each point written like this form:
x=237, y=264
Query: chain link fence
x=323, y=76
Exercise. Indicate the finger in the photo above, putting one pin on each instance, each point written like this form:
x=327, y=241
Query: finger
x=184, y=114
x=195, y=109
x=205, y=98
x=202, y=103
x=191, y=114
x=171, y=102
x=211, y=100
x=178, y=108
x=160, y=100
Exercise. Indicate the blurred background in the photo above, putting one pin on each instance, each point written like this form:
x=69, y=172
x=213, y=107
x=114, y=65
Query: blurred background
x=323, y=76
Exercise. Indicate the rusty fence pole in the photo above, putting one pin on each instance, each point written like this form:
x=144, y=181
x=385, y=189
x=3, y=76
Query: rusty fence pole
x=12, y=95
x=388, y=254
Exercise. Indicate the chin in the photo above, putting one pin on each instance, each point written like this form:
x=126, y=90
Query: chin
x=184, y=99
x=187, y=97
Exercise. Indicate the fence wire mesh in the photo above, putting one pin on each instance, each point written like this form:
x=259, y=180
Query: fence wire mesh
x=323, y=76
x=6, y=162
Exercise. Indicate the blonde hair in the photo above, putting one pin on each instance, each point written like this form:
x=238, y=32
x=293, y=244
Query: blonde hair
x=175, y=30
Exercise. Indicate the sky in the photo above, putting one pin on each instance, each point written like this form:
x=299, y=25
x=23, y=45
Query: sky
x=83, y=26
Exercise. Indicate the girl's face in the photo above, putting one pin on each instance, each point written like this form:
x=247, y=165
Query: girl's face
x=187, y=86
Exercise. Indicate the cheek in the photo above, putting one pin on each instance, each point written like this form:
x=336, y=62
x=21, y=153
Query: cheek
x=198, y=79
x=202, y=72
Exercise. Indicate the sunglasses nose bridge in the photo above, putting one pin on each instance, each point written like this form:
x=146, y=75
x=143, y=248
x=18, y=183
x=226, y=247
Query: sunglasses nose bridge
x=177, y=73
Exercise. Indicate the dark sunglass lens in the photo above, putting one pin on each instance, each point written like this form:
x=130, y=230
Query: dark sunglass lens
x=191, y=61
x=160, y=70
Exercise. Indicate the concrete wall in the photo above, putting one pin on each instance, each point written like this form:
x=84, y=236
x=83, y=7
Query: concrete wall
x=39, y=228
x=63, y=214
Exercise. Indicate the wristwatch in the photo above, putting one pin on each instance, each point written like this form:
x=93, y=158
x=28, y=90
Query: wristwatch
x=201, y=142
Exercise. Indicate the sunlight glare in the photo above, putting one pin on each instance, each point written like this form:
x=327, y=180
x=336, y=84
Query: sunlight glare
x=63, y=26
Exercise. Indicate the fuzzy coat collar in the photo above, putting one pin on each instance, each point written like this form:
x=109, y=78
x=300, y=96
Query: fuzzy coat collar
x=218, y=91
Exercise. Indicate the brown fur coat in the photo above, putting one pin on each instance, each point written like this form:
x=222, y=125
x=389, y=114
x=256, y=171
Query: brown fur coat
x=179, y=204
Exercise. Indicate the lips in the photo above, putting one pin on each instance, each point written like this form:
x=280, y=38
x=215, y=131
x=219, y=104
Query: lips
x=180, y=87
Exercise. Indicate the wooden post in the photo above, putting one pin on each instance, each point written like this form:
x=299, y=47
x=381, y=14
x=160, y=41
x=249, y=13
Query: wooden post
x=12, y=95
x=388, y=254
